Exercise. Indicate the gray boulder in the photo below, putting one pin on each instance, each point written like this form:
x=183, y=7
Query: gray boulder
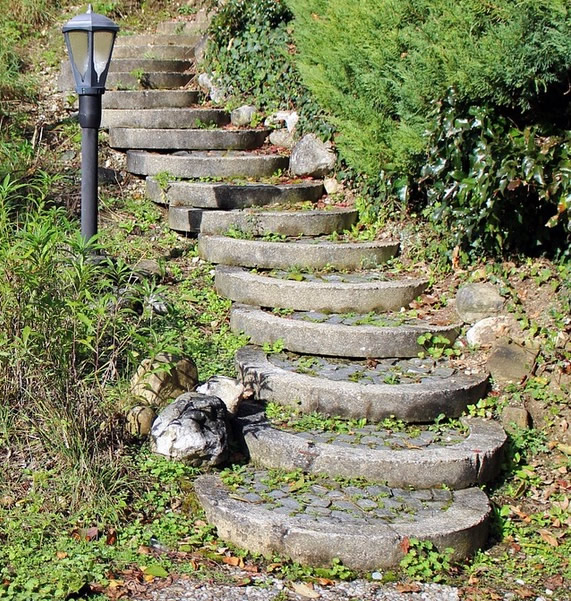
x=478, y=301
x=486, y=331
x=243, y=115
x=193, y=429
x=510, y=362
x=310, y=156
x=282, y=138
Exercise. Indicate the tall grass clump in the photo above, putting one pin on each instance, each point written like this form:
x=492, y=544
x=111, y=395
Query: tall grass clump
x=382, y=69
x=71, y=329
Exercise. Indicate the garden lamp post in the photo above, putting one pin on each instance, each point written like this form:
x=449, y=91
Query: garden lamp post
x=89, y=39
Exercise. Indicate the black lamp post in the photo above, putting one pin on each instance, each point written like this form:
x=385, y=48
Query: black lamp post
x=89, y=39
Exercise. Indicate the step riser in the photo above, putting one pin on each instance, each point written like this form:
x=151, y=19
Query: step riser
x=184, y=53
x=463, y=527
x=205, y=166
x=181, y=28
x=282, y=255
x=250, y=289
x=190, y=40
x=475, y=461
x=191, y=139
x=412, y=403
x=142, y=100
x=333, y=340
x=228, y=196
x=127, y=81
x=311, y=223
x=164, y=118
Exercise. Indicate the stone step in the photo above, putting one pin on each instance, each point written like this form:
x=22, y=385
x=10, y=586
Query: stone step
x=411, y=390
x=182, y=27
x=162, y=80
x=232, y=195
x=154, y=51
x=351, y=335
x=314, y=520
x=457, y=456
x=164, y=118
x=305, y=253
x=187, y=139
x=333, y=293
x=135, y=100
x=259, y=223
x=206, y=164
x=153, y=39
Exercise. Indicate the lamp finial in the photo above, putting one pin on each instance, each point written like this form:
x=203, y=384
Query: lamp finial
x=89, y=9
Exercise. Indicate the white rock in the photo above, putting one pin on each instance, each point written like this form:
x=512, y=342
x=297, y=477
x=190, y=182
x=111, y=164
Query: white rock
x=228, y=390
x=486, y=331
x=331, y=185
x=288, y=118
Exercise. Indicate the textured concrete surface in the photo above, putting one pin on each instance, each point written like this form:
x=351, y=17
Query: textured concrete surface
x=244, y=287
x=186, y=139
x=126, y=80
x=288, y=223
x=336, y=340
x=161, y=39
x=148, y=99
x=154, y=51
x=228, y=196
x=310, y=254
x=462, y=526
x=164, y=118
x=417, y=402
x=205, y=164
x=473, y=461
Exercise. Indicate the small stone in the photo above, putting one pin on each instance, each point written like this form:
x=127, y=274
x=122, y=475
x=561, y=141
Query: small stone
x=517, y=416
x=332, y=186
x=282, y=138
x=478, y=301
x=148, y=268
x=486, y=331
x=215, y=92
x=510, y=362
x=288, y=118
x=67, y=156
x=193, y=429
x=228, y=389
x=310, y=156
x=163, y=378
x=243, y=115
x=140, y=420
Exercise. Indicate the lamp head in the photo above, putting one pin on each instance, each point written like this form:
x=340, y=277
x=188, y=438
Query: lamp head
x=90, y=38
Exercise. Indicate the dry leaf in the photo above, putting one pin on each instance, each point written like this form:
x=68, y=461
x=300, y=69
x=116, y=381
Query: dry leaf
x=548, y=537
x=303, y=589
x=407, y=587
x=233, y=561
x=525, y=593
x=405, y=545
x=61, y=554
x=325, y=581
x=111, y=536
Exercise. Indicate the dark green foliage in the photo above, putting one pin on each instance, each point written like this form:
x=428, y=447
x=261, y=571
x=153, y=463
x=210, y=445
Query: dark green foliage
x=378, y=67
x=495, y=188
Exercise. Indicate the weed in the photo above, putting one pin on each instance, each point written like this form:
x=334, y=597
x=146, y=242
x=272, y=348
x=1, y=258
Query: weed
x=425, y=563
x=436, y=346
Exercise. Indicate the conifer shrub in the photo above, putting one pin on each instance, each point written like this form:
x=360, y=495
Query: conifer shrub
x=381, y=67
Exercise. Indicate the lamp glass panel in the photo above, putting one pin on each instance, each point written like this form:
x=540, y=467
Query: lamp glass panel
x=79, y=51
x=102, y=47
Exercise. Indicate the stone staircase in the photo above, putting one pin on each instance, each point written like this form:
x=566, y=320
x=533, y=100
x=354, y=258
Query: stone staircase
x=343, y=405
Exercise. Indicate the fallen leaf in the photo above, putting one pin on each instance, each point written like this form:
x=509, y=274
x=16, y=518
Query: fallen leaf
x=251, y=569
x=407, y=587
x=155, y=570
x=548, y=537
x=525, y=593
x=303, y=589
x=244, y=582
x=61, y=554
x=233, y=561
x=143, y=550
x=273, y=566
x=325, y=581
x=405, y=545
x=111, y=536
x=554, y=582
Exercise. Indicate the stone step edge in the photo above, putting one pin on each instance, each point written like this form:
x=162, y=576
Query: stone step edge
x=283, y=255
x=333, y=340
x=157, y=99
x=146, y=138
x=197, y=165
x=189, y=117
x=248, y=288
x=463, y=527
x=474, y=461
x=314, y=222
x=228, y=195
x=421, y=402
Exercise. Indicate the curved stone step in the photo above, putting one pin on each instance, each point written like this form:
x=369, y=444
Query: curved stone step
x=164, y=118
x=305, y=254
x=228, y=195
x=336, y=335
x=154, y=51
x=422, y=459
x=258, y=223
x=326, y=520
x=135, y=100
x=181, y=27
x=126, y=65
x=126, y=81
x=363, y=296
x=206, y=164
x=353, y=390
x=158, y=39
x=187, y=139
